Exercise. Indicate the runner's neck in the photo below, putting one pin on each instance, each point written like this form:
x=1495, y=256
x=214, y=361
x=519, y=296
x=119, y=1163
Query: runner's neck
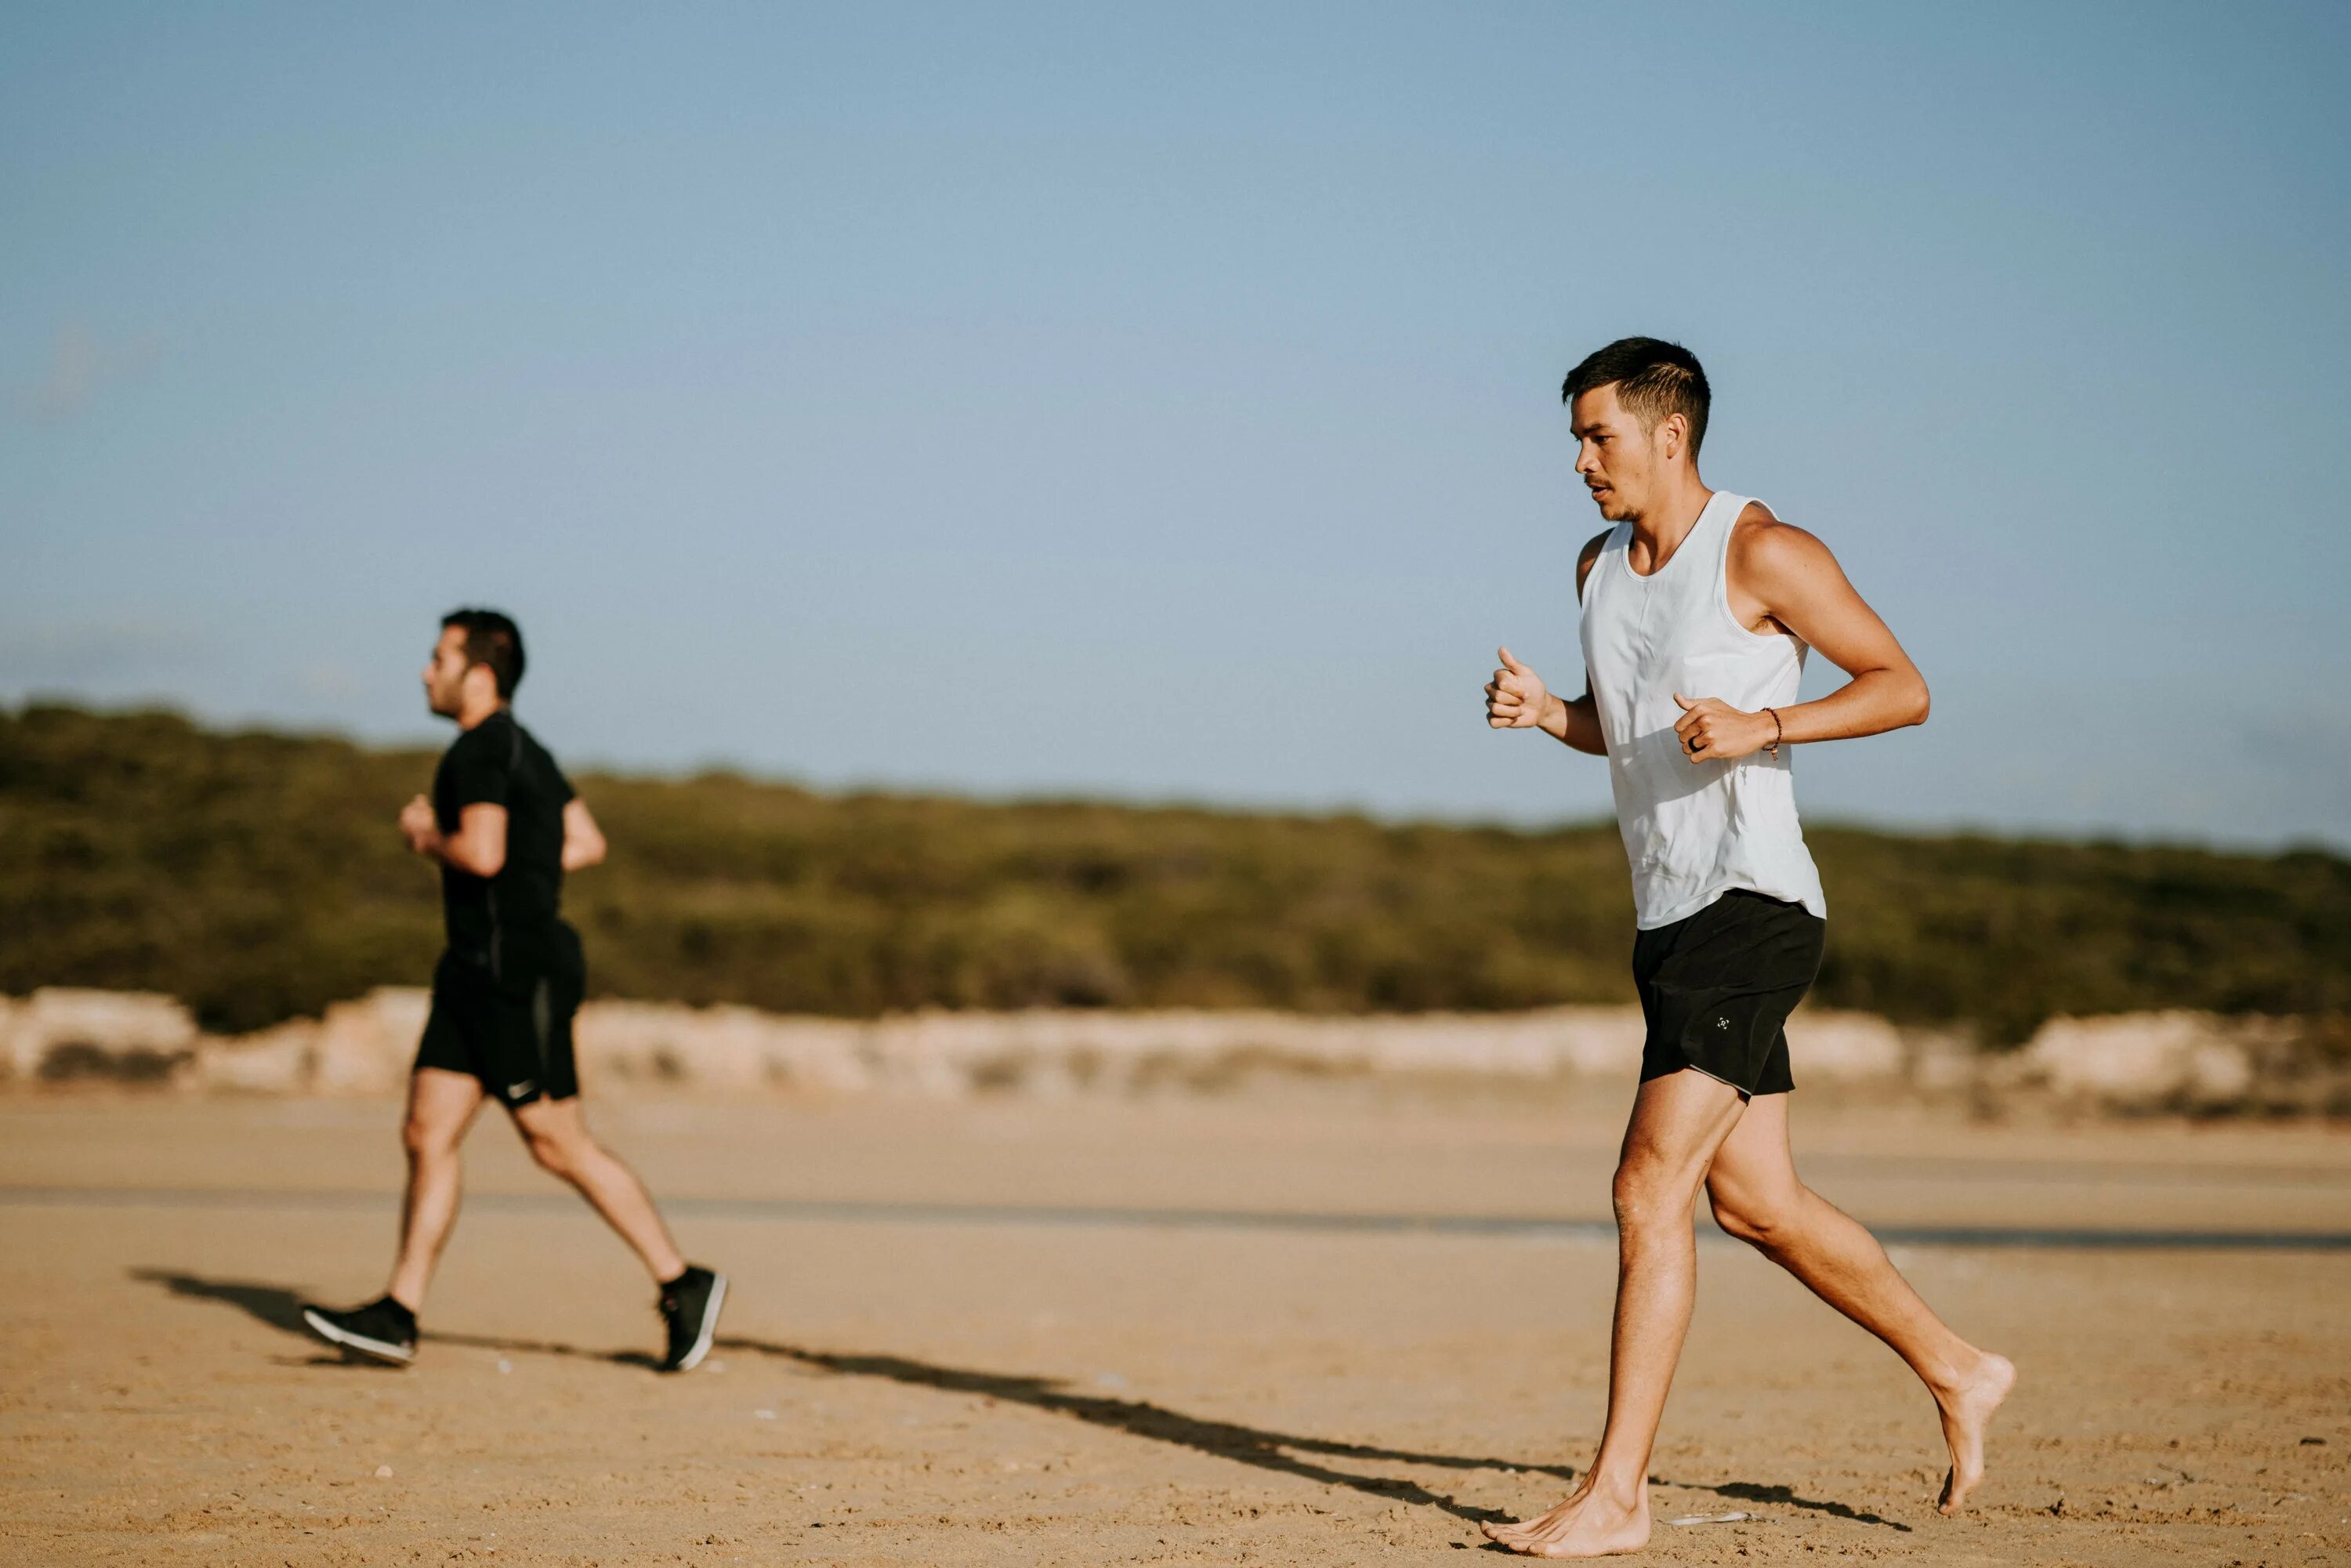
x=1660, y=531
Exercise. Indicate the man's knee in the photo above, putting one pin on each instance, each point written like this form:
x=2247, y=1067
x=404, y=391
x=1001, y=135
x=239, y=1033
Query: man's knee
x=1759, y=1219
x=560, y=1144
x=428, y=1138
x=1649, y=1188
x=557, y=1154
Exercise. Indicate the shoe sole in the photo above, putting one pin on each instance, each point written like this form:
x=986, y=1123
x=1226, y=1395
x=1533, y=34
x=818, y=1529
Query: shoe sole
x=693, y=1358
x=375, y=1349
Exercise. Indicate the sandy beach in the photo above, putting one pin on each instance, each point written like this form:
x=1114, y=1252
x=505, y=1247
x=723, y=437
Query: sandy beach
x=1305, y=1327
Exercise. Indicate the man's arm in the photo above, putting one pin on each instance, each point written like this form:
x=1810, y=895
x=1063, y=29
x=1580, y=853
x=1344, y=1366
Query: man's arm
x=1782, y=575
x=1516, y=698
x=479, y=844
x=583, y=842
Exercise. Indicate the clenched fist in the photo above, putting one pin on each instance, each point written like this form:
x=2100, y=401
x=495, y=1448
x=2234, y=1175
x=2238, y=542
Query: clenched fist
x=1516, y=696
x=419, y=824
x=1711, y=730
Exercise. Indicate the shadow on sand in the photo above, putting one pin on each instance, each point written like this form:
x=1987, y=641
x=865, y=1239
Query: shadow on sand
x=1245, y=1445
x=1275, y=1451
x=282, y=1309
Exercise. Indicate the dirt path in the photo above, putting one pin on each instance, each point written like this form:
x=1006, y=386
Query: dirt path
x=901, y=1383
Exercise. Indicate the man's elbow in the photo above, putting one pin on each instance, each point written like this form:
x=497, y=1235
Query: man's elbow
x=1920, y=702
x=581, y=854
x=482, y=862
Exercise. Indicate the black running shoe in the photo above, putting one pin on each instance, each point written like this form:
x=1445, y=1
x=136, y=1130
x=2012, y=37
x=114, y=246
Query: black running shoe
x=381, y=1331
x=689, y=1305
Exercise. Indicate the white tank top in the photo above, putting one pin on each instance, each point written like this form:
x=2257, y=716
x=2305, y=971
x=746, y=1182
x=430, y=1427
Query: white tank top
x=1692, y=830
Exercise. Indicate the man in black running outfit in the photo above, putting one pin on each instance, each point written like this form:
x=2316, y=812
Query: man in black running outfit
x=503, y=826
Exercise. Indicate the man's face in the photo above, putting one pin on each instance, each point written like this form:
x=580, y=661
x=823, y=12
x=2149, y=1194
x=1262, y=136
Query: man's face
x=1620, y=462
x=444, y=674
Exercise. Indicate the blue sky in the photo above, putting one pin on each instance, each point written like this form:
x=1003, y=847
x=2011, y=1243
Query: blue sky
x=1092, y=400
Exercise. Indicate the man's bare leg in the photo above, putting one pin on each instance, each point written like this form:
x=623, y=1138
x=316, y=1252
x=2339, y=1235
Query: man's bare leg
x=559, y=1140
x=1678, y=1122
x=1758, y=1198
x=441, y=1107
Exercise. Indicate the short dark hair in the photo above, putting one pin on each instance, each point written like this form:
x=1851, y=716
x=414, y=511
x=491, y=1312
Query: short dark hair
x=494, y=640
x=1652, y=377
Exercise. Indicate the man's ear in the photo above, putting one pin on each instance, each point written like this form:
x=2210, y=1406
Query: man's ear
x=485, y=678
x=1673, y=435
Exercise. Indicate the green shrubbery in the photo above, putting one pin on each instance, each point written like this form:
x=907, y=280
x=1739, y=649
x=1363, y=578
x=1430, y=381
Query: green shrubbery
x=258, y=876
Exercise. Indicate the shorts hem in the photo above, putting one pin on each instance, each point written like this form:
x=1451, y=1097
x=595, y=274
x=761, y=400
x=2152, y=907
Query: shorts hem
x=490, y=1089
x=1666, y=1070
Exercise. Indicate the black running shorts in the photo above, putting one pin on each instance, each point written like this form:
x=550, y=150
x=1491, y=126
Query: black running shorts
x=1716, y=988
x=511, y=1026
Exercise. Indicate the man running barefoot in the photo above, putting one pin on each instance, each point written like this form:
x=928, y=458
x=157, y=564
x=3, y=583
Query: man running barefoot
x=503, y=826
x=1697, y=609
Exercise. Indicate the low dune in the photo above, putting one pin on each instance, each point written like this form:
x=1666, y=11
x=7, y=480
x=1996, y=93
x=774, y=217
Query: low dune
x=2195, y=1062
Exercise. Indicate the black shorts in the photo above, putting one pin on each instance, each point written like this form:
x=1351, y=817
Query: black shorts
x=510, y=1029
x=1716, y=988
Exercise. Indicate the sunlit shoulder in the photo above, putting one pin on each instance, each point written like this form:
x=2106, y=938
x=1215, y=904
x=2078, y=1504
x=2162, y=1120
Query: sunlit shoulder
x=1765, y=551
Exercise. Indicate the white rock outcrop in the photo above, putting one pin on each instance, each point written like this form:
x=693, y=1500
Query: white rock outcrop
x=2142, y=1060
x=365, y=1047
x=2138, y=1062
x=62, y=1032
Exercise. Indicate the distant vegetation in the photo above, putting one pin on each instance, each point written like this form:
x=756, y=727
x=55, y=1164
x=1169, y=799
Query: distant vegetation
x=258, y=876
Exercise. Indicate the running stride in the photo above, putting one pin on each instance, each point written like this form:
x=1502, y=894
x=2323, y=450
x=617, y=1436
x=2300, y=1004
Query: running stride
x=503, y=826
x=1697, y=609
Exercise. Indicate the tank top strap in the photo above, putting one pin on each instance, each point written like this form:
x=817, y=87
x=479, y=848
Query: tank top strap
x=1727, y=509
x=1607, y=564
x=1721, y=520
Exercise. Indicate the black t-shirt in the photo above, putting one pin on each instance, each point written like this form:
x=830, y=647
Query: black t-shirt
x=497, y=763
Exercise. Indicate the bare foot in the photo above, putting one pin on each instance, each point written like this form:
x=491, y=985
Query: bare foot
x=1967, y=1413
x=1586, y=1525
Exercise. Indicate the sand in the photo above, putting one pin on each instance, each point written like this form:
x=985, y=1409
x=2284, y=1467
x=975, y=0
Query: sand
x=1242, y=1351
